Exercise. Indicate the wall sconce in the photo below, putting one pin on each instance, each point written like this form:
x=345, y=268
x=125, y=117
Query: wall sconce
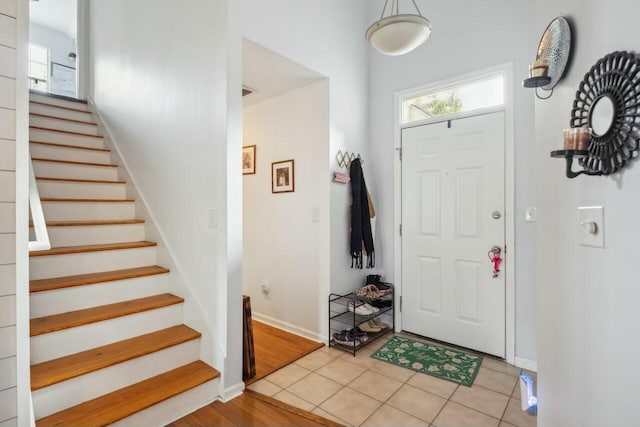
x=553, y=54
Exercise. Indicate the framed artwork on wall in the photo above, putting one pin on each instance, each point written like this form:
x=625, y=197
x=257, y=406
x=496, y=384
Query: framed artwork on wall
x=249, y=160
x=282, y=177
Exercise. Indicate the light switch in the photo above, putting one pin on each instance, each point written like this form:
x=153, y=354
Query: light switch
x=530, y=214
x=591, y=226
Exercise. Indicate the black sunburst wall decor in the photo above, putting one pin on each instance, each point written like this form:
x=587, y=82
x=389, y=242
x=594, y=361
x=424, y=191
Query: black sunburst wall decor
x=616, y=76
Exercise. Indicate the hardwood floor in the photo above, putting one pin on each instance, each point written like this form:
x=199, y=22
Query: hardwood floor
x=275, y=349
x=252, y=409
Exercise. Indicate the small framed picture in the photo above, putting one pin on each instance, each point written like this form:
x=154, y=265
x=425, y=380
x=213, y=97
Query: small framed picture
x=282, y=177
x=249, y=160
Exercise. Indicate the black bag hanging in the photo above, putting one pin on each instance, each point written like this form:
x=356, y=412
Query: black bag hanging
x=360, y=221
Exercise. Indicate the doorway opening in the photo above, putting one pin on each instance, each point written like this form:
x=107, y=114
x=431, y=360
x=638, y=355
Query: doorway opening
x=454, y=204
x=285, y=204
x=53, y=47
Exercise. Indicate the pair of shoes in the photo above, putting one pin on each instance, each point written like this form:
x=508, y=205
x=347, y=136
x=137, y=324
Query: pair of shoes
x=371, y=308
x=362, y=309
x=370, y=326
x=359, y=334
x=373, y=325
x=379, y=324
x=351, y=338
x=382, y=303
x=372, y=291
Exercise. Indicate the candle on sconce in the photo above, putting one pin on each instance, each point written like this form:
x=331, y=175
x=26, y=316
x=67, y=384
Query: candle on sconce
x=583, y=138
x=577, y=138
x=539, y=68
x=570, y=138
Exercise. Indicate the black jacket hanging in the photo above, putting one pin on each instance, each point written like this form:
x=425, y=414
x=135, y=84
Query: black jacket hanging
x=360, y=221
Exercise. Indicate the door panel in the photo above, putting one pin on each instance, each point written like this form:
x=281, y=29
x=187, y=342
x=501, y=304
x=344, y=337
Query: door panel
x=452, y=180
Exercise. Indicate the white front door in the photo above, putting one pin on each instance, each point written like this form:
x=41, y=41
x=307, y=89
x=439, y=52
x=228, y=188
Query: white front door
x=452, y=187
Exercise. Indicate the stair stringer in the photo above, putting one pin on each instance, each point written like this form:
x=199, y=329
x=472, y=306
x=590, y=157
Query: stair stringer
x=195, y=316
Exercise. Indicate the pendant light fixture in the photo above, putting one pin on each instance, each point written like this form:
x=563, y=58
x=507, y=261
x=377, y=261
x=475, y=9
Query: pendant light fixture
x=397, y=33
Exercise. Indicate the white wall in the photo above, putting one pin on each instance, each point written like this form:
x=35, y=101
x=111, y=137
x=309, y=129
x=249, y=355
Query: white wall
x=159, y=80
x=285, y=235
x=8, y=364
x=327, y=37
x=14, y=275
x=59, y=45
x=467, y=37
x=588, y=297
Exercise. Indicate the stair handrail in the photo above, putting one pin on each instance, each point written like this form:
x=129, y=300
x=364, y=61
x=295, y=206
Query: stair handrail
x=42, y=242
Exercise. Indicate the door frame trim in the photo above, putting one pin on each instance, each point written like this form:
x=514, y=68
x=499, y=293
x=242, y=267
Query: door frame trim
x=509, y=152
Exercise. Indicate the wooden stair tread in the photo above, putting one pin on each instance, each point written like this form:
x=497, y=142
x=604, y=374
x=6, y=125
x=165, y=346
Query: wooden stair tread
x=46, y=116
x=93, y=278
x=60, y=199
x=88, y=181
x=75, y=147
x=92, y=223
x=65, y=131
x=59, y=106
x=71, y=319
x=64, y=368
x=112, y=407
x=64, y=250
x=70, y=162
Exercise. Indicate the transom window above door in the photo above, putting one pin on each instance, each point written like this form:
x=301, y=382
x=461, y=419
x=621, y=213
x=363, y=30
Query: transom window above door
x=474, y=95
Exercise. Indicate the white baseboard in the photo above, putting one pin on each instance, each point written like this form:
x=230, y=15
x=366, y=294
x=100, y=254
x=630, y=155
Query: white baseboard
x=523, y=363
x=232, y=392
x=296, y=330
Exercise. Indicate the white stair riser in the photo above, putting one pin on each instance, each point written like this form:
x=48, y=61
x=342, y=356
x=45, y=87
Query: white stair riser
x=94, y=235
x=170, y=410
x=72, y=154
x=75, y=298
x=57, y=397
x=70, y=171
x=56, y=101
x=60, y=112
x=46, y=267
x=65, y=125
x=74, y=340
x=65, y=138
x=82, y=190
x=69, y=211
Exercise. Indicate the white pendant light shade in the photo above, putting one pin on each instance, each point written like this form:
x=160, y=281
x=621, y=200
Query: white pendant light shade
x=398, y=33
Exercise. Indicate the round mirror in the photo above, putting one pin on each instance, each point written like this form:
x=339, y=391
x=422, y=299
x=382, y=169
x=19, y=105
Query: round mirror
x=602, y=115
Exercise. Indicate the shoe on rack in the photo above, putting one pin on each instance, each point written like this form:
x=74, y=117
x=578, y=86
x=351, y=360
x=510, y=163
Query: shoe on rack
x=371, y=308
x=378, y=324
x=369, y=326
x=345, y=338
x=360, y=309
x=382, y=303
x=359, y=334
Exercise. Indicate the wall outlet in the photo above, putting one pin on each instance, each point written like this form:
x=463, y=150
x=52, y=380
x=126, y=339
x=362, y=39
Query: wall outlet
x=266, y=290
x=213, y=218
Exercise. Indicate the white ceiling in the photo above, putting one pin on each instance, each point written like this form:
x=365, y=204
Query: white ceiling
x=58, y=15
x=269, y=74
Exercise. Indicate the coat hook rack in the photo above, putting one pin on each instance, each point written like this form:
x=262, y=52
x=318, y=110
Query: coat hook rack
x=345, y=158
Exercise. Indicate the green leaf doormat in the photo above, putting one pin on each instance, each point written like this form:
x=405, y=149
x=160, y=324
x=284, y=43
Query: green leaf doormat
x=431, y=359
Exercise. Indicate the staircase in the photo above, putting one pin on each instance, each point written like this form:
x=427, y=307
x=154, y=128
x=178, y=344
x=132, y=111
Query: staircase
x=107, y=341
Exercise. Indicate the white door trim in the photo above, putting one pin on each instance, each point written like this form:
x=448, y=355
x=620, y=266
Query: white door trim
x=82, y=46
x=509, y=150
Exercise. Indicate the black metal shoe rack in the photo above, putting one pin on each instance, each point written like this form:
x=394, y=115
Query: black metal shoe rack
x=340, y=318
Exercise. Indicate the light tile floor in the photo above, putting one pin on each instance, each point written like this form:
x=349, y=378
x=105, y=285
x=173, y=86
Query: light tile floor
x=361, y=391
